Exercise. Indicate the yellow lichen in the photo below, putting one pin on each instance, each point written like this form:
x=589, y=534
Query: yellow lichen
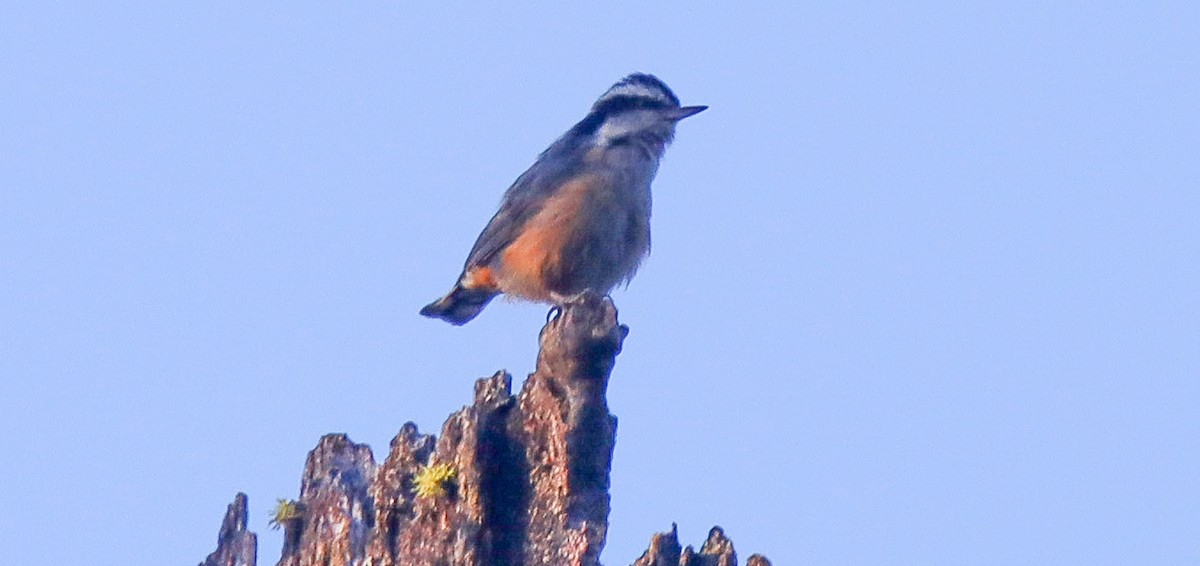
x=431, y=480
x=285, y=510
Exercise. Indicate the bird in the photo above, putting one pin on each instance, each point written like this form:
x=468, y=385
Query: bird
x=578, y=219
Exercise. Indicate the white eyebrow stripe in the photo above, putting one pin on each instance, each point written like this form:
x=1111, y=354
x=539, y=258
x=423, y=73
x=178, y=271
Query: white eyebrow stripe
x=637, y=90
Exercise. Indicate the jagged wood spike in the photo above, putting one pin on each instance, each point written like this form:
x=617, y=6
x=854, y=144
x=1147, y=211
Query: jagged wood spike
x=523, y=479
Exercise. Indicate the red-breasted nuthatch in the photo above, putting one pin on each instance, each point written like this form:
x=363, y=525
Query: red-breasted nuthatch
x=579, y=218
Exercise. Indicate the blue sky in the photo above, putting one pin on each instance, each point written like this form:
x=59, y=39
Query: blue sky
x=923, y=287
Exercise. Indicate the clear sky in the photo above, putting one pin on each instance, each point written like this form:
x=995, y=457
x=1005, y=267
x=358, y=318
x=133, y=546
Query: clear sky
x=924, y=286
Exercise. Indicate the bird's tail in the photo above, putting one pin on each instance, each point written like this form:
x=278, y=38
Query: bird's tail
x=460, y=305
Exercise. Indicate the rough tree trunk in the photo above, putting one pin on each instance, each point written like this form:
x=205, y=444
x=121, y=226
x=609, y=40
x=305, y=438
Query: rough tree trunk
x=530, y=486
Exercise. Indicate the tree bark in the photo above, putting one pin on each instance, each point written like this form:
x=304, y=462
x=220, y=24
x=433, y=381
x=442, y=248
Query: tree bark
x=530, y=479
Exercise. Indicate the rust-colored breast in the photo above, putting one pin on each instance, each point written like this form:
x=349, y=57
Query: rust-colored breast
x=532, y=259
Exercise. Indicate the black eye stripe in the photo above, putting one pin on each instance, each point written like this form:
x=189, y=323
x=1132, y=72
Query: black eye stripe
x=648, y=93
x=627, y=102
x=606, y=107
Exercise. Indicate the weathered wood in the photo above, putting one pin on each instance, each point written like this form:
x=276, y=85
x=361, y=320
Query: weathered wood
x=530, y=476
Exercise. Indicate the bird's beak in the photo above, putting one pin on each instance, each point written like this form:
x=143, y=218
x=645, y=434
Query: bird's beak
x=681, y=113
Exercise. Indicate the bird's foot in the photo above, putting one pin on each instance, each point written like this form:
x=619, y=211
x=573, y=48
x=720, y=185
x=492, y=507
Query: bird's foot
x=562, y=302
x=583, y=296
x=587, y=299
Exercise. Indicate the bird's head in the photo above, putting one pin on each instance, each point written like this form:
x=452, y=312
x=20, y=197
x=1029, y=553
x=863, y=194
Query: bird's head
x=640, y=108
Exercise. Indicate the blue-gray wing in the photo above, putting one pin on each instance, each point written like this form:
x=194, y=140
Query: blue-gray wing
x=520, y=203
